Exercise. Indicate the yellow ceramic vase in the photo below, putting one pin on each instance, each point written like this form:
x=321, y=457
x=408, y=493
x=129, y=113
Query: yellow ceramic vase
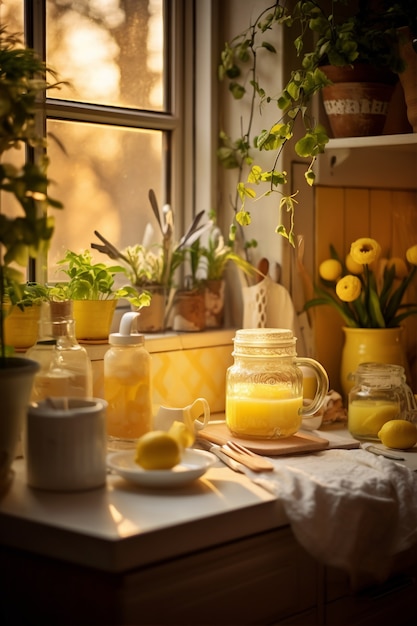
x=377, y=345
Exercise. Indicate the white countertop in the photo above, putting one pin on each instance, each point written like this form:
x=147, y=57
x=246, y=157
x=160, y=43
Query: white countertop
x=122, y=525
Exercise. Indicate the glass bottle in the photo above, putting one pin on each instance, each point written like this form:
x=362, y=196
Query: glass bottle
x=127, y=386
x=66, y=369
x=379, y=394
x=264, y=386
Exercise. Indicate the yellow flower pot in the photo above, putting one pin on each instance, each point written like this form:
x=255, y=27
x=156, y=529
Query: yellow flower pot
x=377, y=345
x=21, y=327
x=93, y=319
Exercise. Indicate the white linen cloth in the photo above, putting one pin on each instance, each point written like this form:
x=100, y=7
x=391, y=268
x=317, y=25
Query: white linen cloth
x=348, y=508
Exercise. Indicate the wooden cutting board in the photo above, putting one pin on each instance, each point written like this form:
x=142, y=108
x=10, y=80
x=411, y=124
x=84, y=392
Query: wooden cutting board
x=218, y=432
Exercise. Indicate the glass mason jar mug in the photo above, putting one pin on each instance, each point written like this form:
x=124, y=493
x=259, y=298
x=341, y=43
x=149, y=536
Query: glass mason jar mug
x=379, y=394
x=264, y=386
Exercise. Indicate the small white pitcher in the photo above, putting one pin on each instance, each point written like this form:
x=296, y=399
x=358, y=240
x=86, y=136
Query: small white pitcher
x=195, y=416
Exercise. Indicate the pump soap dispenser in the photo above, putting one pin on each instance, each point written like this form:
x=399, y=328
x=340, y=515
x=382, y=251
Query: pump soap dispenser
x=127, y=386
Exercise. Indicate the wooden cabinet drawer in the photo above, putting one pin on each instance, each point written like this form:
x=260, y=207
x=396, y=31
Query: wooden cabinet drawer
x=257, y=580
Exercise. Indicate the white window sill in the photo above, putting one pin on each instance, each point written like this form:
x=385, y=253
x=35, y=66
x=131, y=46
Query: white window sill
x=171, y=341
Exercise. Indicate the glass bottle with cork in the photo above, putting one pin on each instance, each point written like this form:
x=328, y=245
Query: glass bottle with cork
x=66, y=369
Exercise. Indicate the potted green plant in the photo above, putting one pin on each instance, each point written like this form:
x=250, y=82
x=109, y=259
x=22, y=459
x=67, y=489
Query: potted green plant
x=145, y=269
x=403, y=18
x=155, y=268
x=25, y=232
x=216, y=255
x=326, y=34
x=91, y=287
x=188, y=310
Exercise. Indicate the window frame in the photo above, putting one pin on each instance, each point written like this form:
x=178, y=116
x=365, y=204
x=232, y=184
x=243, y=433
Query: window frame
x=190, y=181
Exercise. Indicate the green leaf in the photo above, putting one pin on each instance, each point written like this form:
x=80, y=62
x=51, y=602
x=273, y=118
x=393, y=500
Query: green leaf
x=233, y=72
x=237, y=90
x=293, y=90
x=268, y=46
x=243, y=218
x=227, y=157
x=310, y=177
x=284, y=101
x=306, y=145
x=375, y=310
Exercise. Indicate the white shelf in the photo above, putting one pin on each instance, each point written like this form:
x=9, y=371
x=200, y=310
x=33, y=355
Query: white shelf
x=389, y=141
x=368, y=162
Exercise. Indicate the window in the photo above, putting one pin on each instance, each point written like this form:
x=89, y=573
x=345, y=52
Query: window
x=119, y=119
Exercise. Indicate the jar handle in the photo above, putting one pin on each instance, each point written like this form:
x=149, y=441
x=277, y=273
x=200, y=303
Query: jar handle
x=322, y=386
x=410, y=398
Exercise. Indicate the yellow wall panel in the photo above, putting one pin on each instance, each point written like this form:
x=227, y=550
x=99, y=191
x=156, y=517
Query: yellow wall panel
x=381, y=217
x=356, y=217
x=343, y=215
x=330, y=203
x=329, y=220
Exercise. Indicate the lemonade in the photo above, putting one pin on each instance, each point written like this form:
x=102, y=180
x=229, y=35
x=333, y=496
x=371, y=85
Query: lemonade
x=127, y=385
x=129, y=411
x=263, y=411
x=366, y=417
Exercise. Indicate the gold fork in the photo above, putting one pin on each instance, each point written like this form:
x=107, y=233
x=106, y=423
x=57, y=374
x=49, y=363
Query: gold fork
x=245, y=456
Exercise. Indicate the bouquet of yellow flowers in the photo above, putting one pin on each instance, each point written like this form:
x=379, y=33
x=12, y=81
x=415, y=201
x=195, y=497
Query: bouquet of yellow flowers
x=366, y=290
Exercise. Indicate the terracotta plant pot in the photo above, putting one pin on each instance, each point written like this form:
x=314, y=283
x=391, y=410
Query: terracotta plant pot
x=408, y=77
x=358, y=101
x=188, y=311
x=151, y=318
x=214, y=303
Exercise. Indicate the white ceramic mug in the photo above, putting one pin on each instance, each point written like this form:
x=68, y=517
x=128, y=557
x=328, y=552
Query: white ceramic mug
x=66, y=444
x=195, y=415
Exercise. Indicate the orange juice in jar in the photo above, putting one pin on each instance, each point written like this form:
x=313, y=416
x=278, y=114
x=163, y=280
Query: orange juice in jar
x=263, y=410
x=264, y=386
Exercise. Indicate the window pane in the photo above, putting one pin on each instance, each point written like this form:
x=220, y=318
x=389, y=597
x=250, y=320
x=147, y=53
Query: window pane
x=103, y=181
x=11, y=15
x=111, y=51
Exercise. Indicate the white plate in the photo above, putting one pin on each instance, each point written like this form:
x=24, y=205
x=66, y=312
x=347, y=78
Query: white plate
x=194, y=463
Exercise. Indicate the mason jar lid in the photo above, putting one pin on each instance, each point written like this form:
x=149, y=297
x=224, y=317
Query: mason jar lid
x=380, y=374
x=265, y=341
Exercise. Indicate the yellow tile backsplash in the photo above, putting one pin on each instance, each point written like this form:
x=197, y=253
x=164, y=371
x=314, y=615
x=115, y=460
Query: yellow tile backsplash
x=184, y=367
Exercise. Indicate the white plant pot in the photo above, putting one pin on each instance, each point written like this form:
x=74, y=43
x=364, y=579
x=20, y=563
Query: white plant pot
x=16, y=379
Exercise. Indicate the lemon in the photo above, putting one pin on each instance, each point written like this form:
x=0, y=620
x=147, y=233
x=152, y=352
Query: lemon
x=157, y=450
x=182, y=434
x=398, y=434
